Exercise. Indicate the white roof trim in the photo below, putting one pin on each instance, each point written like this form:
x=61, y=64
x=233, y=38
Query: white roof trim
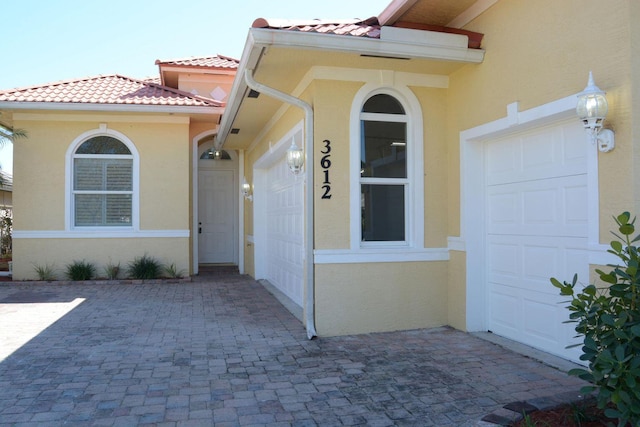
x=444, y=47
x=64, y=106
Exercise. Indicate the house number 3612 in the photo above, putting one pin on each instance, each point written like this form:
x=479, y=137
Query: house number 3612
x=325, y=164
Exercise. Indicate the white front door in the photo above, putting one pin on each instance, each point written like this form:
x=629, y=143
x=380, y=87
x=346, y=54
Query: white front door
x=536, y=228
x=216, y=217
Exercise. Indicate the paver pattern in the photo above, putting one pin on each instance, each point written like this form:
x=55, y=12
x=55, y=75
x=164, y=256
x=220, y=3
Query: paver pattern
x=225, y=352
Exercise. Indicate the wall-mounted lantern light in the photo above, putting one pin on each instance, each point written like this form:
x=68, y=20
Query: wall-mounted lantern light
x=246, y=190
x=592, y=109
x=295, y=158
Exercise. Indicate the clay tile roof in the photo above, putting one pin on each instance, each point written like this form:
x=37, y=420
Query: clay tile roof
x=351, y=27
x=109, y=90
x=217, y=61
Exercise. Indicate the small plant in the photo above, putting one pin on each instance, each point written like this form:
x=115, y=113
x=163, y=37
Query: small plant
x=45, y=272
x=145, y=267
x=609, y=320
x=80, y=270
x=112, y=271
x=172, y=271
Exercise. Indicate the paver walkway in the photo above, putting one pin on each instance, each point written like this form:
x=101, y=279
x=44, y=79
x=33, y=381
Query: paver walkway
x=225, y=352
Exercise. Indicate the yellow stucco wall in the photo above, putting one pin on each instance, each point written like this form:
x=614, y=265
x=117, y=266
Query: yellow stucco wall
x=58, y=253
x=332, y=102
x=360, y=298
x=39, y=183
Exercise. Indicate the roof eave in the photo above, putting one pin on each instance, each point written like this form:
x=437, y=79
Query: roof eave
x=66, y=106
x=261, y=38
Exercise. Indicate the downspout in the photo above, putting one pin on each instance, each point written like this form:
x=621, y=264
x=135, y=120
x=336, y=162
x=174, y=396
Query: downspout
x=308, y=152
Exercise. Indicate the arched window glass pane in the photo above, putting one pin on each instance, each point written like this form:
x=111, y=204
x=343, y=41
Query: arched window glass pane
x=384, y=149
x=215, y=155
x=103, y=145
x=382, y=103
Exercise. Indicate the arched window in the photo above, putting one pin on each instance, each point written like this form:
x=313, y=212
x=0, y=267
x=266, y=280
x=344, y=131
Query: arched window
x=102, y=186
x=384, y=179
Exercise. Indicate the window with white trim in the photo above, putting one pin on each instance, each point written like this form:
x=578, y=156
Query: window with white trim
x=102, y=183
x=384, y=175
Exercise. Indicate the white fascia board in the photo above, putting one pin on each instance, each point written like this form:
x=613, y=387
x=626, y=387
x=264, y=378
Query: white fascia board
x=443, y=47
x=194, y=69
x=62, y=106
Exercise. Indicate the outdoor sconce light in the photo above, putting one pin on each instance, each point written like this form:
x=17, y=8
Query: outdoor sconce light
x=295, y=159
x=246, y=190
x=592, y=109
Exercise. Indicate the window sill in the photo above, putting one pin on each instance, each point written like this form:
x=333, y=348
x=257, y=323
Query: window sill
x=369, y=255
x=98, y=233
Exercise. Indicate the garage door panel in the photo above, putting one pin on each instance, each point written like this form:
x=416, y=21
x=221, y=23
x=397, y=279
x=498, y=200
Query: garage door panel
x=506, y=320
x=538, y=154
x=552, y=207
x=541, y=320
x=536, y=228
x=504, y=260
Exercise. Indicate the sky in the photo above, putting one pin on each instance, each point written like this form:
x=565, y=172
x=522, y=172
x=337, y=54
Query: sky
x=46, y=41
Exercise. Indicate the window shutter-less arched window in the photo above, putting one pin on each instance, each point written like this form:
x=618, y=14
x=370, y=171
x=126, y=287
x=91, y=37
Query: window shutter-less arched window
x=384, y=182
x=102, y=188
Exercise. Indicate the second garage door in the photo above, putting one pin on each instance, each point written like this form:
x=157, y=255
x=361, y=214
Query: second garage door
x=536, y=228
x=285, y=232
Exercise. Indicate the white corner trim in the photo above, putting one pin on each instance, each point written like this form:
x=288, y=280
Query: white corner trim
x=348, y=256
x=99, y=234
x=456, y=243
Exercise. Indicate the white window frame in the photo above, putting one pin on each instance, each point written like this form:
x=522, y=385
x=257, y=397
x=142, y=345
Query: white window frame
x=101, y=231
x=413, y=184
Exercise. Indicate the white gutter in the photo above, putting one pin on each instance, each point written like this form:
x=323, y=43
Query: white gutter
x=308, y=152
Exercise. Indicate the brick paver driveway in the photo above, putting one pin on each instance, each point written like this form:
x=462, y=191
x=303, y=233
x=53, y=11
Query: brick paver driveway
x=225, y=352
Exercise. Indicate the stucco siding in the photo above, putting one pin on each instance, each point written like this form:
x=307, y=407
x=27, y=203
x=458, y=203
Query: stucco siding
x=58, y=253
x=361, y=298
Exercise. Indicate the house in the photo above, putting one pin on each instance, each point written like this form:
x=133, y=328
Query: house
x=445, y=176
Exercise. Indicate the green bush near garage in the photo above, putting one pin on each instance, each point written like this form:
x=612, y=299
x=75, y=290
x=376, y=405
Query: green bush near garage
x=608, y=319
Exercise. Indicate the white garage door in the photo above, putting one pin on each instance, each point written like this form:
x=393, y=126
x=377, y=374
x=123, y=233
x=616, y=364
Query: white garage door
x=536, y=229
x=285, y=243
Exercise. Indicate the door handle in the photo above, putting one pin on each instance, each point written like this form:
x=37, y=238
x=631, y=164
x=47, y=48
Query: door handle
x=199, y=228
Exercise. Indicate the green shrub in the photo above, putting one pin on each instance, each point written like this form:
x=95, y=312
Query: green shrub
x=609, y=320
x=172, y=271
x=112, y=271
x=145, y=267
x=81, y=270
x=45, y=272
